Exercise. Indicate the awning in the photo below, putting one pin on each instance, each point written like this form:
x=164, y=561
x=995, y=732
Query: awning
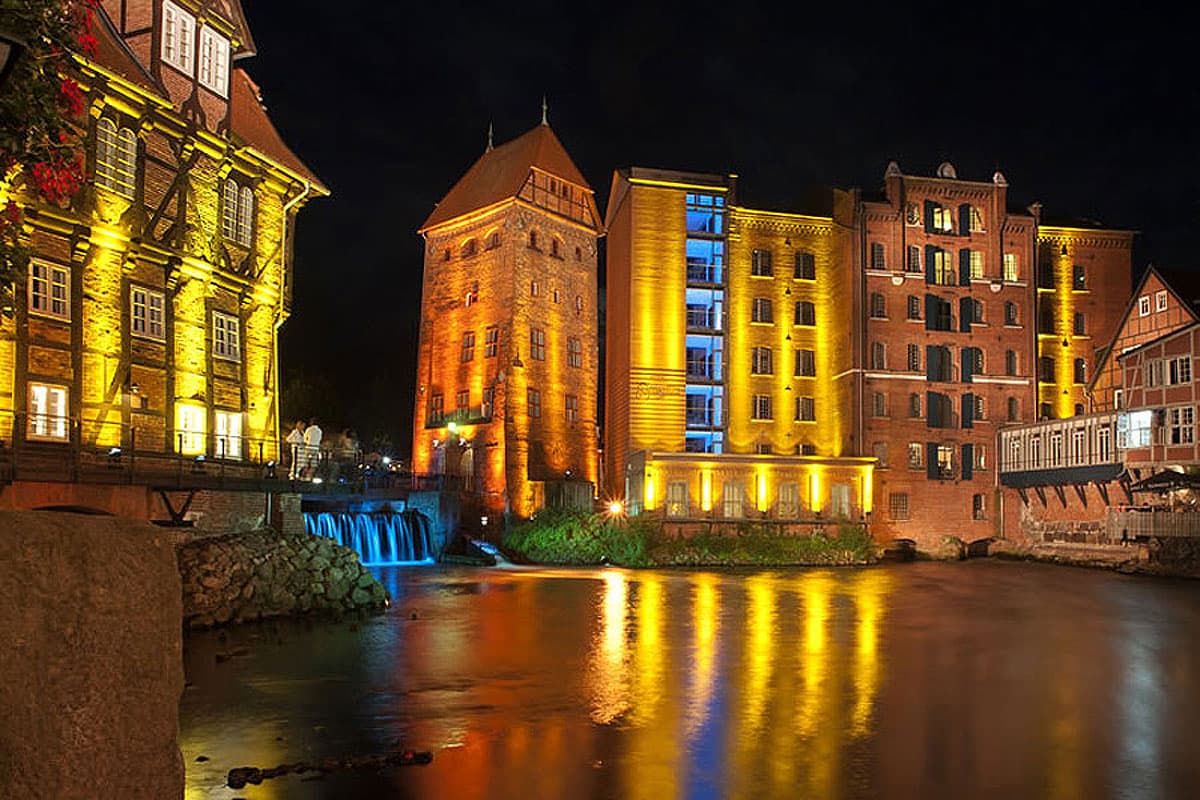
x=1167, y=481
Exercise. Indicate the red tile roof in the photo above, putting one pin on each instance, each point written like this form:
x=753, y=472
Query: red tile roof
x=115, y=56
x=501, y=172
x=249, y=122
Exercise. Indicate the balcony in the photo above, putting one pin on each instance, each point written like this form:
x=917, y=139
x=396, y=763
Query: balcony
x=473, y=415
x=702, y=419
x=703, y=273
x=702, y=320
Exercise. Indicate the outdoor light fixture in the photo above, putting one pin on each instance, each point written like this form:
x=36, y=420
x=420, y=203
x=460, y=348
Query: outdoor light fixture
x=616, y=508
x=386, y=460
x=317, y=481
x=483, y=521
x=10, y=52
x=271, y=471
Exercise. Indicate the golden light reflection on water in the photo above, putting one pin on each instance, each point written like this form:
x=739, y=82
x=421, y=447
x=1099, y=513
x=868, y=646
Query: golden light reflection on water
x=609, y=680
x=704, y=629
x=760, y=651
x=869, y=592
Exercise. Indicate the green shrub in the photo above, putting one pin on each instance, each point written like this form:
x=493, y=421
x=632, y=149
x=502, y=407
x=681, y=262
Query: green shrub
x=573, y=537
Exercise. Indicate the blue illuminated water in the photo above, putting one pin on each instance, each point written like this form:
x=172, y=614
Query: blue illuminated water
x=379, y=538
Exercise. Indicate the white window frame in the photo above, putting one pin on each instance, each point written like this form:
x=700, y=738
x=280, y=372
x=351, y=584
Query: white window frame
x=733, y=501
x=1011, y=273
x=788, y=504
x=228, y=426
x=49, y=413
x=190, y=422
x=147, y=313
x=1144, y=306
x=1182, y=423
x=227, y=336
x=214, y=61
x=49, y=288
x=1160, y=300
x=677, y=499
x=178, y=38
x=761, y=409
x=116, y=158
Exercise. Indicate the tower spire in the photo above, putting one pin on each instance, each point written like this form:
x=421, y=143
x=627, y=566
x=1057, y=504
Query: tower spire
x=490, y=145
x=545, y=108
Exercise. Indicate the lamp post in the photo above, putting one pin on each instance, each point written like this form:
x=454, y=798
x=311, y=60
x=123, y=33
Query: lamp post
x=10, y=52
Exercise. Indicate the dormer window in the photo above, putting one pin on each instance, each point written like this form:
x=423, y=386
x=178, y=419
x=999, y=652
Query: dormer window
x=214, y=61
x=178, y=37
x=237, y=213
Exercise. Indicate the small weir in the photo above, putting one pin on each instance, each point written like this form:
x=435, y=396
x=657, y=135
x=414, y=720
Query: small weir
x=378, y=538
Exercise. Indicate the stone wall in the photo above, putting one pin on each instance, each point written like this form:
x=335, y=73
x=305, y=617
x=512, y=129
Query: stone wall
x=248, y=576
x=91, y=658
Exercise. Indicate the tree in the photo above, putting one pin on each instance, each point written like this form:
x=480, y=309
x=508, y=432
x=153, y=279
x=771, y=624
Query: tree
x=41, y=115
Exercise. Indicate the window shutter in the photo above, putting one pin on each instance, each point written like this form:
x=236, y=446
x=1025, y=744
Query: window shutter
x=933, y=410
x=968, y=410
x=929, y=206
x=964, y=314
x=931, y=466
x=964, y=219
x=930, y=312
x=968, y=461
x=964, y=267
x=930, y=273
x=968, y=364
x=931, y=362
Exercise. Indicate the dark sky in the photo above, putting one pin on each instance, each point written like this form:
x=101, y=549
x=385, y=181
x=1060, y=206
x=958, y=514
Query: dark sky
x=1091, y=113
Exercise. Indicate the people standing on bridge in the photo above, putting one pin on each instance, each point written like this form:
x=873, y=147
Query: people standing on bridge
x=295, y=450
x=312, y=449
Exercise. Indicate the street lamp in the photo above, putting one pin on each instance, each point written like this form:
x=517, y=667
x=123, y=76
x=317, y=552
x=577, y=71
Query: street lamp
x=10, y=52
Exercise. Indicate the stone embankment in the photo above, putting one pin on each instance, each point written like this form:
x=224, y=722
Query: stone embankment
x=249, y=576
x=1164, y=557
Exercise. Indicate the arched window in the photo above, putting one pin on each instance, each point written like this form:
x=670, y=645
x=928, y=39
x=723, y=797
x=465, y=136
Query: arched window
x=229, y=209
x=246, y=216
x=533, y=240
x=578, y=303
x=237, y=212
x=555, y=248
x=878, y=306
x=116, y=158
x=579, y=254
x=493, y=240
x=468, y=248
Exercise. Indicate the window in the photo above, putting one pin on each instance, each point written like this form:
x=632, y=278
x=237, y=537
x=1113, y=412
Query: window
x=976, y=220
x=914, y=358
x=914, y=406
x=916, y=455
x=1179, y=370
x=446, y=254
x=762, y=448
x=468, y=249
x=189, y=429
x=1046, y=322
x=760, y=361
x=572, y=407
x=237, y=212
x=579, y=254
x=48, y=413
x=806, y=313
x=761, y=310
x=574, y=352
x=878, y=306
x=1154, y=373
x=468, y=347
x=677, y=498
x=805, y=267
x=898, y=506
x=945, y=462
x=1011, y=273
x=533, y=400
x=937, y=363
x=913, y=262
x=1144, y=306
x=537, y=344
x=436, y=409
x=491, y=341
x=556, y=296
x=229, y=434
x=1103, y=443
x=214, y=61
x=789, y=500
x=50, y=290
x=533, y=241
x=1046, y=369
x=760, y=263
x=1118, y=399
x=178, y=34
x=977, y=507
x=146, y=313
x=1010, y=313
x=762, y=407
x=1045, y=411
x=806, y=409
x=462, y=400
x=976, y=307
x=879, y=450
x=877, y=256
x=1014, y=409
x=227, y=337
x=914, y=307
x=978, y=407
x=878, y=355
x=943, y=219
x=806, y=364
x=912, y=214
x=731, y=499
x=578, y=304
x=555, y=248
x=1079, y=409
x=976, y=264
x=1160, y=301
x=943, y=268
x=705, y=213
x=1078, y=278
x=489, y=397
x=1080, y=371
x=878, y=404
x=493, y=240
x=116, y=158
x=1010, y=362
x=973, y=358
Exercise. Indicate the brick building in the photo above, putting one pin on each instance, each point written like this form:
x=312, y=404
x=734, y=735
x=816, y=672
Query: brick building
x=150, y=315
x=507, y=376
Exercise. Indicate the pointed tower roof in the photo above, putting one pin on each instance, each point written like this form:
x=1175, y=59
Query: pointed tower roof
x=501, y=172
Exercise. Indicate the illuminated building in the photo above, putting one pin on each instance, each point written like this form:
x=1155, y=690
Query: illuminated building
x=854, y=361
x=508, y=357
x=150, y=315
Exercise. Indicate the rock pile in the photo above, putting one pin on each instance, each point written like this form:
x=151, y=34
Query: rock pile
x=250, y=576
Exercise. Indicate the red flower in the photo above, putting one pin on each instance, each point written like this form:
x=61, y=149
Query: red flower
x=70, y=96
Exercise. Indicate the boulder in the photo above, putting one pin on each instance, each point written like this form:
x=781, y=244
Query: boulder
x=949, y=548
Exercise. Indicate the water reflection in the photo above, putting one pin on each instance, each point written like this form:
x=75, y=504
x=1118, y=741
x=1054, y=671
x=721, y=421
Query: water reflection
x=936, y=681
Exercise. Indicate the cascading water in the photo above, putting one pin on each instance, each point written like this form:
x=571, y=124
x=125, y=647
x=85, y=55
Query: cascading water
x=402, y=538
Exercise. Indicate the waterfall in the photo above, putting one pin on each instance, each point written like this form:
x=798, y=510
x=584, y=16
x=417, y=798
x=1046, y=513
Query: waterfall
x=402, y=538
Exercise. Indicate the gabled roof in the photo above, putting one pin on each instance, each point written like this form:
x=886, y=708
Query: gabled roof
x=246, y=46
x=1171, y=334
x=501, y=172
x=113, y=55
x=248, y=121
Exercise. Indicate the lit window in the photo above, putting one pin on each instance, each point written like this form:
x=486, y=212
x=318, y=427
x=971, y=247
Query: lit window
x=50, y=289
x=944, y=273
x=572, y=406
x=533, y=398
x=491, y=340
x=760, y=263
x=761, y=310
x=574, y=352
x=189, y=429
x=806, y=409
x=116, y=158
x=976, y=219
x=146, y=313
x=48, y=413
x=762, y=407
x=945, y=462
x=229, y=434
x=976, y=264
x=227, y=339
x=468, y=347
x=1011, y=275
x=732, y=495
x=1160, y=301
x=806, y=313
x=1144, y=306
x=178, y=36
x=943, y=219
x=537, y=344
x=237, y=212
x=462, y=400
x=214, y=61
x=436, y=409
x=789, y=500
x=916, y=455
x=760, y=363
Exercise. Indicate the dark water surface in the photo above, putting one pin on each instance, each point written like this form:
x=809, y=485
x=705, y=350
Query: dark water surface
x=972, y=680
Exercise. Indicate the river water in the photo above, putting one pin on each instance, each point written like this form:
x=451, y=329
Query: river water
x=973, y=680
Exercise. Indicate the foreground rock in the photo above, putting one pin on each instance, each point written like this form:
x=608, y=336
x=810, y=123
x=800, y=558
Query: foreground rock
x=91, y=658
x=250, y=576
x=238, y=777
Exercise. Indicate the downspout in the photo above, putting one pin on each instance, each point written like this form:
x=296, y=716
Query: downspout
x=285, y=251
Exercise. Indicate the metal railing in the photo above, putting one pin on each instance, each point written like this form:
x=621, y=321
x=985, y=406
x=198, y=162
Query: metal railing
x=1134, y=523
x=460, y=416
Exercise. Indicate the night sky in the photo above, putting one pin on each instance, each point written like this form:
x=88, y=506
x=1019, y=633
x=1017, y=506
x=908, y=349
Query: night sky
x=389, y=103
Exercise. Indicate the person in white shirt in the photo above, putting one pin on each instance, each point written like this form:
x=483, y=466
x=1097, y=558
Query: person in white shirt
x=312, y=449
x=295, y=450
